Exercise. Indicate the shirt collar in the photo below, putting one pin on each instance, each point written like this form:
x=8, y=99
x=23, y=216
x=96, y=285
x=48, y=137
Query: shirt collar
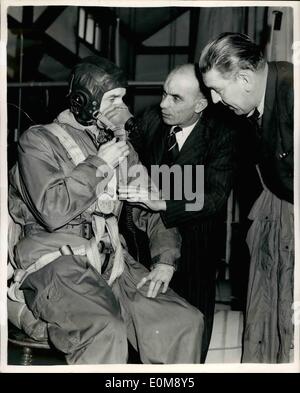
x=187, y=129
x=260, y=107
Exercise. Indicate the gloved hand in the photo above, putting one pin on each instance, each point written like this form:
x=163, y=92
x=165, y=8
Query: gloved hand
x=118, y=115
x=113, y=152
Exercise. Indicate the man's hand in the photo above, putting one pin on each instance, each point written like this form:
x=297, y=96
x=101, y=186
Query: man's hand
x=160, y=275
x=113, y=152
x=118, y=115
x=141, y=196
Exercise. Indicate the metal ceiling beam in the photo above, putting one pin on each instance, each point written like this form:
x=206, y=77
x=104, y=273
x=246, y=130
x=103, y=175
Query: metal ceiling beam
x=43, y=42
x=163, y=50
x=27, y=16
x=59, y=52
x=46, y=19
x=13, y=25
x=194, y=23
x=108, y=15
x=175, y=12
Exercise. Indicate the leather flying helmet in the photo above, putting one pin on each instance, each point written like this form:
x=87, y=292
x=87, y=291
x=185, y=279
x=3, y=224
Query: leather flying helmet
x=89, y=80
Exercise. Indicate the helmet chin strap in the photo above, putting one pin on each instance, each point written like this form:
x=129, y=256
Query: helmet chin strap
x=103, y=122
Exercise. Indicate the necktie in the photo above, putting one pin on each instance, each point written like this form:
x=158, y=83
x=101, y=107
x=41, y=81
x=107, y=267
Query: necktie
x=254, y=121
x=256, y=132
x=172, y=144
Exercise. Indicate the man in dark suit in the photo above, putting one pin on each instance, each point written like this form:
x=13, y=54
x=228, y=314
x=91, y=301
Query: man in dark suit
x=237, y=75
x=187, y=132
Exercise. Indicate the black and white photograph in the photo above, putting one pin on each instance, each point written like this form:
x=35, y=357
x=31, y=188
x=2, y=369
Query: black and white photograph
x=149, y=201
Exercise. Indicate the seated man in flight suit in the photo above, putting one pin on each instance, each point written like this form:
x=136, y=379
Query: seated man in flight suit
x=72, y=267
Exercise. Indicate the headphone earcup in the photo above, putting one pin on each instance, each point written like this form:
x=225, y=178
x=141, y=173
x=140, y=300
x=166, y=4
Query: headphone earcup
x=78, y=101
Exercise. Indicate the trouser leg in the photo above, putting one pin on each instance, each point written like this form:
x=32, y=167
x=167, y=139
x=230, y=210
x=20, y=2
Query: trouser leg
x=207, y=306
x=201, y=294
x=196, y=278
x=83, y=315
x=168, y=328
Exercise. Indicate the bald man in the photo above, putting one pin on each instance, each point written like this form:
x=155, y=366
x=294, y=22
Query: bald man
x=185, y=131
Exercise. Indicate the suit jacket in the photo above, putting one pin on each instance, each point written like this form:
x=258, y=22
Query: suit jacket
x=211, y=143
x=276, y=143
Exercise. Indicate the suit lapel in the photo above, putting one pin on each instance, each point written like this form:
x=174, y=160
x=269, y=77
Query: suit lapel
x=159, y=144
x=270, y=119
x=192, y=150
x=269, y=97
x=194, y=147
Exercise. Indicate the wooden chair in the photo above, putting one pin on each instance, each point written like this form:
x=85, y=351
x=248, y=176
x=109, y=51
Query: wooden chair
x=32, y=351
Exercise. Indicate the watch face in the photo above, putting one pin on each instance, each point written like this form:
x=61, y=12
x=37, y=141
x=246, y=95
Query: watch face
x=106, y=203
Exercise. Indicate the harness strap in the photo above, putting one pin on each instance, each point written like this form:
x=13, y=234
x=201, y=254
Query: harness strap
x=118, y=265
x=67, y=141
x=99, y=222
x=44, y=260
x=90, y=250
